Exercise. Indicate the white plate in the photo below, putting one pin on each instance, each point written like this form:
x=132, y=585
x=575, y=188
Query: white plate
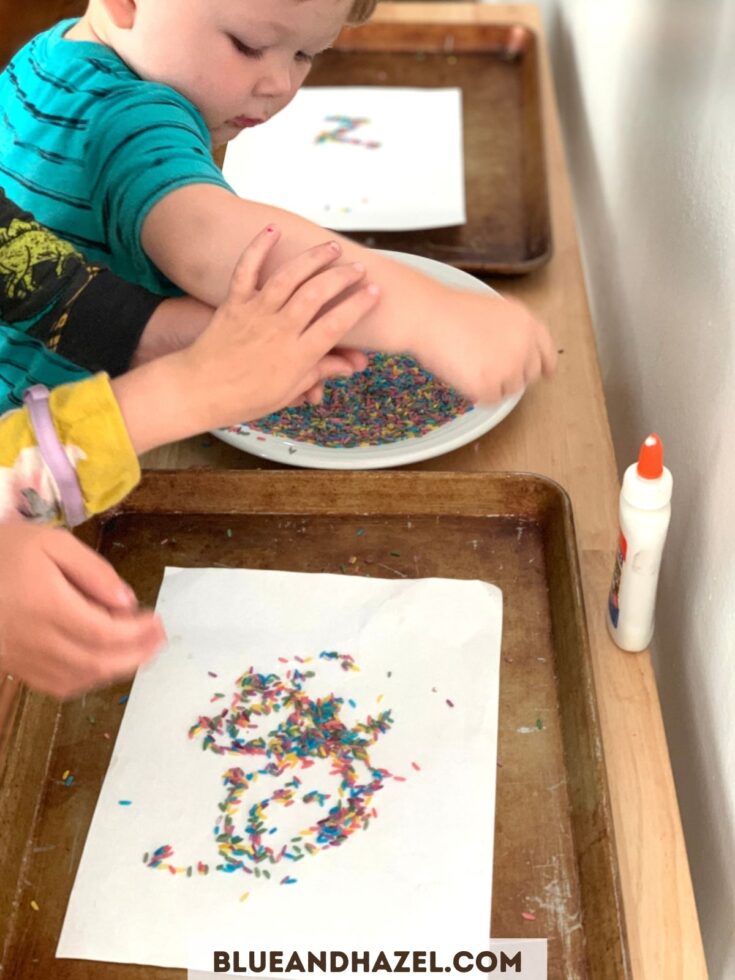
x=442, y=440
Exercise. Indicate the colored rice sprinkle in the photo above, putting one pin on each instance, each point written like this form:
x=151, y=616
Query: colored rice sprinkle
x=393, y=399
x=346, y=661
x=305, y=730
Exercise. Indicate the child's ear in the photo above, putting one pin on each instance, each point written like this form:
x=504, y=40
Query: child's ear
x=121, y=12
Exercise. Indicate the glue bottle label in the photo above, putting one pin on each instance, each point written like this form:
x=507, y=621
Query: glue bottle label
x=612, y=602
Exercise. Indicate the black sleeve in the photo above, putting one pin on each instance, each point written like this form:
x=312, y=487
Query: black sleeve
x=81, y=311
x=99, y=327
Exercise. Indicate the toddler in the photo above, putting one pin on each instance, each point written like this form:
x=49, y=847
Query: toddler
x=108, y=127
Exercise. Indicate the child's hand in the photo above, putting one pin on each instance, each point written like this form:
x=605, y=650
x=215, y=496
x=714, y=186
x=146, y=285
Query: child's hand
x=177, y=322
x=266, y=346
x=68, y=623
x=487, y=347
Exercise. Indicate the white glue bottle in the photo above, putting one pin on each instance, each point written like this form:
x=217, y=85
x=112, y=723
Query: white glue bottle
x=645, y=511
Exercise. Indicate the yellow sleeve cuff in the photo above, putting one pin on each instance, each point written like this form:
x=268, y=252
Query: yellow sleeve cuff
x=91, y=429
x=87, y=415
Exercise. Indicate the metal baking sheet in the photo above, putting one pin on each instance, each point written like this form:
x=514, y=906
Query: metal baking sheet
x=555, y=864
x=508, y=228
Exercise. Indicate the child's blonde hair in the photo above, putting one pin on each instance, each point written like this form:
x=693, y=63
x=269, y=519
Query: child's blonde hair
x=361, y=11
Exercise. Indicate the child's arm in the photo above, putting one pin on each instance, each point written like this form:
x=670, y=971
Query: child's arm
x=486, y=346
x=178, y=322
x=262, y=349
x=86, y=314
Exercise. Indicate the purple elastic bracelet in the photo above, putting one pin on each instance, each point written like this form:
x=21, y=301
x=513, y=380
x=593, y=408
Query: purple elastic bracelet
x=52, y=452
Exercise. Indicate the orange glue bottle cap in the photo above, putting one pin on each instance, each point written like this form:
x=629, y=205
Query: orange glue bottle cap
x=651, y=458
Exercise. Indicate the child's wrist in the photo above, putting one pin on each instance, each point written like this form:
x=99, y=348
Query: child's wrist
x=423, y=335
x=158, y=402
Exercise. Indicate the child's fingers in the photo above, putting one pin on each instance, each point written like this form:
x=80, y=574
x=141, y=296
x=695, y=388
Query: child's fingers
x=284, y=282
x=71, y=667
x=326, y=332
x=63, y=665
x=326, y=368
x=357, y=359
x=336, y=365
x=249, y=267
x=548, y=351
x=332, y=365
x=88, y=572
x=511, y=385
x=77, y=617
x=532, y=370
x=298, y=402
x=96, y=666
x=322, y=290
x=112, y=665
x=315, y=394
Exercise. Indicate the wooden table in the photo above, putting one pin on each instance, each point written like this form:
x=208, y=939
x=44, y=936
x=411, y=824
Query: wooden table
x=560, y=429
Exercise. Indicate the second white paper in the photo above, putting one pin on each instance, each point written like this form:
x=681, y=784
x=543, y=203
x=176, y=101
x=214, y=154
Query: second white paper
x=409, y=668
x=358, y=159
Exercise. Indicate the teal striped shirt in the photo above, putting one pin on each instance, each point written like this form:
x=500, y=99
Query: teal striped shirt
x=89, y=148
x=25, y=361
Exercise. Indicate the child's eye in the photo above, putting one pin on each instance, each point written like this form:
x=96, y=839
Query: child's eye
x=245, y=49
x=302, y=56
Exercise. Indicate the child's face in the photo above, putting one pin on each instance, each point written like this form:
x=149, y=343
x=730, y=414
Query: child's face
x=239, y=61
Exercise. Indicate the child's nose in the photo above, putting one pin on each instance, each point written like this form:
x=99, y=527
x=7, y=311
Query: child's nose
x=275, y=81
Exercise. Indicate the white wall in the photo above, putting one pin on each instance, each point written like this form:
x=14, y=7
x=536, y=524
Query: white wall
x=647, y=95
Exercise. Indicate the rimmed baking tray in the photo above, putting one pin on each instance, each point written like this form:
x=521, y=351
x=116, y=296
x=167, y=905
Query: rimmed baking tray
x=555, y=871
x=508, y=228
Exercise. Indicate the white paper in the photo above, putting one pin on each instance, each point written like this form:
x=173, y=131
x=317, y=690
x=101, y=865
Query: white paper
x=405, y=169
x=420, y=872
